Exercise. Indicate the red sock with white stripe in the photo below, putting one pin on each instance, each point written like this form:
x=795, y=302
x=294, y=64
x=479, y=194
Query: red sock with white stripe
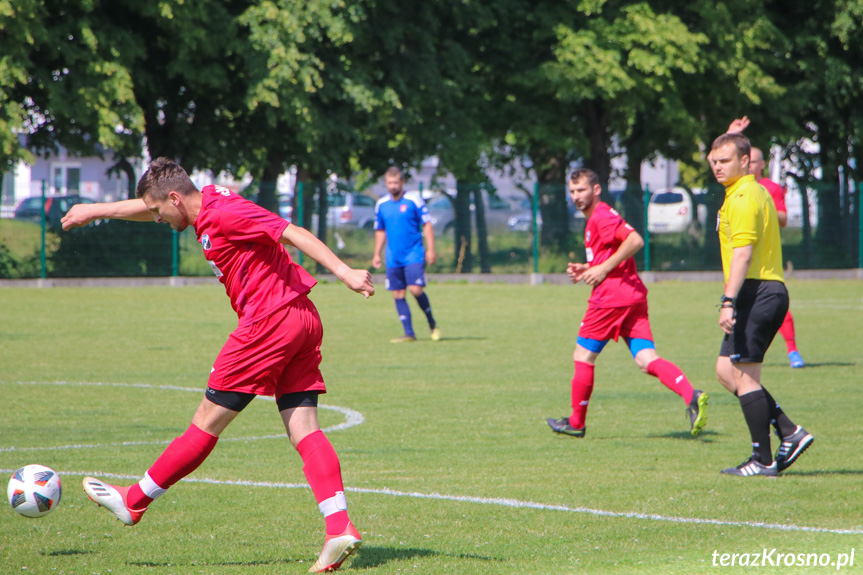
x=184, y=455
x=671, y=377
x=582, y=388
x=324, y=474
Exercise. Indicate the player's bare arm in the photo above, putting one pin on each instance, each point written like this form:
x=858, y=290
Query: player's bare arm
x=431, y=254
x=359, y=281
x=740, y=260
x=628, y=248
x=380, y=241
x=84, y=214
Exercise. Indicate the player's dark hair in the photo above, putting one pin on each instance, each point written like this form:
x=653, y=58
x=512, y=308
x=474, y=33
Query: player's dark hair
x=741, y=143
x=586, y=173
x=394, y=171
x=162, y=177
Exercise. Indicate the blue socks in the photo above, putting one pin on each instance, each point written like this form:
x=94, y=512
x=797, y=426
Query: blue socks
x=423, y=300
x=404, y=312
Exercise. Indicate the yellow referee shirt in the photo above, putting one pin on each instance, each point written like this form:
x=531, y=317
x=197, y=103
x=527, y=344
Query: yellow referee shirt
x=748, y=217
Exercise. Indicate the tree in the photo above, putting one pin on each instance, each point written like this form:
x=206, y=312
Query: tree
x=61, y=80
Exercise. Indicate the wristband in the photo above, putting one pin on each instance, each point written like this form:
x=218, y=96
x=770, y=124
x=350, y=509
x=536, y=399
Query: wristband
x=726, y=302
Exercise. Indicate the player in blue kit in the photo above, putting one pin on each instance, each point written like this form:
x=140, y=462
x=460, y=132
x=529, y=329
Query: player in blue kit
x=401, y=222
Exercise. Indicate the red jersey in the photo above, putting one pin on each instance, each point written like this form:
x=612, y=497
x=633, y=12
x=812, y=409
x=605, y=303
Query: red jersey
x=776, y=192
x=241, y=243
x=603, y=234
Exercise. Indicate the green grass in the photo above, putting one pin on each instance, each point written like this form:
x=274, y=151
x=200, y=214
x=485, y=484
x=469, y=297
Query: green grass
x=462, y=418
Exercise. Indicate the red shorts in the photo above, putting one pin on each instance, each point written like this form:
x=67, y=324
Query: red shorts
x=278, y=354
x=613, y=322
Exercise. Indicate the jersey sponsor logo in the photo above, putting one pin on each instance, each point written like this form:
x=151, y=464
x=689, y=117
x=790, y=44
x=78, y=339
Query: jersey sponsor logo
x=222, y=190
x=403, y=208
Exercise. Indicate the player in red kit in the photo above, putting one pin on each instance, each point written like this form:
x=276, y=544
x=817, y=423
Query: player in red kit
x=275, y=349
x=617, y=308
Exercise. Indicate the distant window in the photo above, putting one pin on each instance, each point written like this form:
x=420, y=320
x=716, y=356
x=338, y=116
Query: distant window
x=667, y=198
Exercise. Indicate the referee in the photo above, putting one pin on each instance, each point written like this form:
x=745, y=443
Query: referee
x=752, y=306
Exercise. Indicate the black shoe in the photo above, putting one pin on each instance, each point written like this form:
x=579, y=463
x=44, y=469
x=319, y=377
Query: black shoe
x=697, y=412
x=562, y=426
x=792, y=447
x=752, y=467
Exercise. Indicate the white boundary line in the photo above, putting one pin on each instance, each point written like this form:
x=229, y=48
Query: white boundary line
x=355, y=418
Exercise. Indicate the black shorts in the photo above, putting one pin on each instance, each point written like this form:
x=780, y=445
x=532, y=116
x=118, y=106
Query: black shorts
x=761, y=309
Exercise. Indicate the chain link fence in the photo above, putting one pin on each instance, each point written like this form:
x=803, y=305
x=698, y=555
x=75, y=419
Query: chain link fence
x=477, y=229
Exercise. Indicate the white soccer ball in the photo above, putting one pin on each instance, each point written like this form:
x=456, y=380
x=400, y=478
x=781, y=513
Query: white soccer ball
x=34, y=490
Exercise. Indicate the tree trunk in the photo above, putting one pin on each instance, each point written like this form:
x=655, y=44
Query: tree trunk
x=306, y=181
x=550, y=175
x=463, y=255
x=267, y=189
x=599, y=158
x=829, y=214
x=122, y=165
x=481, y=231
x=323, y=220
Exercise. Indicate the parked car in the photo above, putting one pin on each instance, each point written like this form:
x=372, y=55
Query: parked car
x=521, y=222
x=669, y=210
x=286, y=207
x=498, y=211
x=352, y=210
x=30, y=209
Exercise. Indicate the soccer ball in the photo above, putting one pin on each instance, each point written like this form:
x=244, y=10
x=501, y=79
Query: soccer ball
x=34, y=490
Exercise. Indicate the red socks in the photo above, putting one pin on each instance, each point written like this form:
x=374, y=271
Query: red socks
x=324, y=474
x=787, y=331
x=181, y=458
x=671, y=377
x=582, y=387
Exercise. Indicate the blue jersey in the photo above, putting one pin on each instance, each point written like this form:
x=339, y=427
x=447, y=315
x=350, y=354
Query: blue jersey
x=403, y=221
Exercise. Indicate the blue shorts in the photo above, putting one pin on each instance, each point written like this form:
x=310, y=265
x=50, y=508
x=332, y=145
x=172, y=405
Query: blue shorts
x=401, y=278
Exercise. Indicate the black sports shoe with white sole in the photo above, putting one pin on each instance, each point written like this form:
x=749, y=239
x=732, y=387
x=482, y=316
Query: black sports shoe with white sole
x=752, y=467
x=792, y=447
x=562, y=426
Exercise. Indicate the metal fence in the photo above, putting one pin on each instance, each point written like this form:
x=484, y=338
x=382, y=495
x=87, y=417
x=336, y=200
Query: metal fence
x=531, y=231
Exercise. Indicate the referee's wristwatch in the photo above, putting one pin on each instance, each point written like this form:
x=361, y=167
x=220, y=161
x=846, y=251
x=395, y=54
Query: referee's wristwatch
x=726, y=301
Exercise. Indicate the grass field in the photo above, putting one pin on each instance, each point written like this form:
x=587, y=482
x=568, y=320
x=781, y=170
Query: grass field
x=448, y=464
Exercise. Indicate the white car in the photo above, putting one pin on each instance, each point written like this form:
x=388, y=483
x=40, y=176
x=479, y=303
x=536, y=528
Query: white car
x=669, y=211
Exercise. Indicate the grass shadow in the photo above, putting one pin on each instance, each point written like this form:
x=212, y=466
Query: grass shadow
x=820, y=472
x=703, y=436
x=67, y=553
x=371, y=557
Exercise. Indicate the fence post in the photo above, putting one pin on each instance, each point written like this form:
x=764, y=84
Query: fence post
x=534, y=207
x=300, y=214
x=43, y=220
x=646, y=230
x=175, y=253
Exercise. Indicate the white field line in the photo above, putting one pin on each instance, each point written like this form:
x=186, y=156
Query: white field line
x=352, y=418
x=355, y=418
x=500, y=502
